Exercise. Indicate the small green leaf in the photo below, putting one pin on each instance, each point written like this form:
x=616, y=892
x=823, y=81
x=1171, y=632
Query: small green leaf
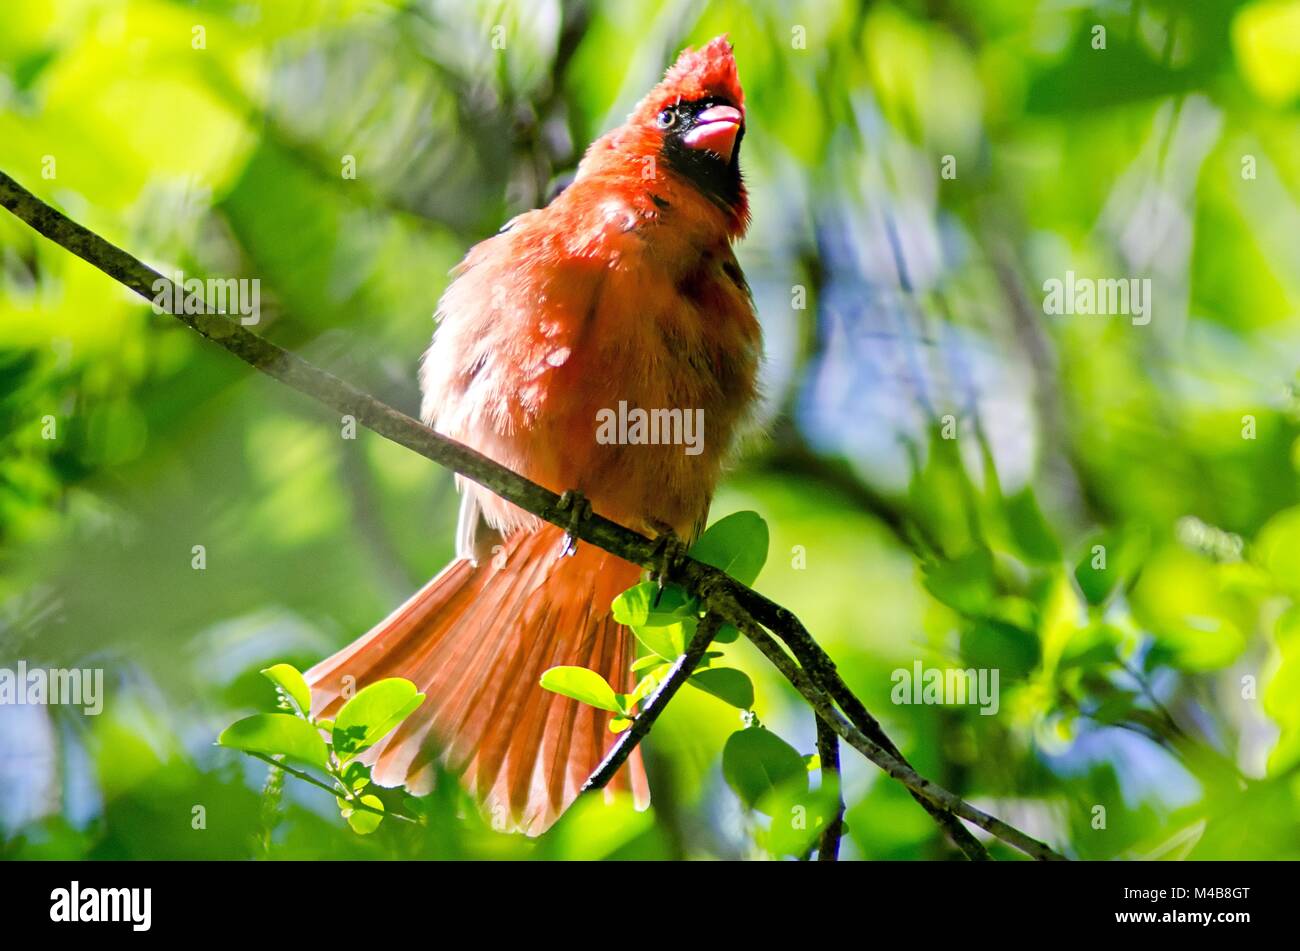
x=756, y=761
x=356, y=776
x=372, y=713
x=1093, y=646
x=1030, y=531
x=583, y=685
x=965, y=583
x=363, y=822
x=727, y=684
x=619, y=724
x=277, y=733
x=645, y=605
x=288, y=679
x=667, y=643
x=798, y=816
x=1115, y=708
x=737, y=544
x=727, y=634
x=646, y=662
x=645, y=686
x=1005, y=647
x=1109, y=561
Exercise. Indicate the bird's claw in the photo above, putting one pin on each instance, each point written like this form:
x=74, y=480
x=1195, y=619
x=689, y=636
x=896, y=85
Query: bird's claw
x=669, y=553
x=578, y=508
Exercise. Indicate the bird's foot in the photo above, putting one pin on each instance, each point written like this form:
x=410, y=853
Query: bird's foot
x=578, y=508
x=669, y=553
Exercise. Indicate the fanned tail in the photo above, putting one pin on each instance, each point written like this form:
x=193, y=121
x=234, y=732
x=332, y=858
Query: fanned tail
x=476, y=639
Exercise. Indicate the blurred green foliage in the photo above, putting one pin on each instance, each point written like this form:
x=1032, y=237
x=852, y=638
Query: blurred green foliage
x=1107, y=513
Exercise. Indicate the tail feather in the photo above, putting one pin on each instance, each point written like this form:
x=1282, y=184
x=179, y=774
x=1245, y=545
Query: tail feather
x=476, y=639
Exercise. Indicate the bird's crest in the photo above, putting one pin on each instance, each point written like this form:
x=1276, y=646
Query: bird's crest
x=706, y=73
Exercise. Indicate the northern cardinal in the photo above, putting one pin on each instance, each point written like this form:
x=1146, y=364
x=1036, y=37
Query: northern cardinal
x=623, y=289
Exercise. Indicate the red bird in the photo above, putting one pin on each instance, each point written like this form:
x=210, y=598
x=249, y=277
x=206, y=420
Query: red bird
x=624, y=289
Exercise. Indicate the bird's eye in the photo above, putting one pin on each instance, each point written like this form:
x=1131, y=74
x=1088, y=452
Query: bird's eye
x=667, y=119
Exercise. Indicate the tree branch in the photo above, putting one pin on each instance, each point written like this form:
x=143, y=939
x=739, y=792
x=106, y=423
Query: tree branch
x=939, y=797
x=828, y=752
x=718, y=592
x=678, y=674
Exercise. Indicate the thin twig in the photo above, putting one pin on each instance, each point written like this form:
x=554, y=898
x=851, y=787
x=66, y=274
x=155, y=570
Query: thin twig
x=828, y=752
x=940, y=797
x=352, y=801
x=731, y=598
x=678, y=674
x=718, y=592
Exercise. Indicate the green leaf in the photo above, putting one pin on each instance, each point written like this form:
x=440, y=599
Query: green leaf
x=965, y=583
x=727, y=634
x=756, y=761
x=1116, y=707
x=619, y=724
x=737, y=544
x=1029, y=529
x=1108, y=561
x=798, y=815
x=667, y=643
x=288, y=679
x=1092, y=646
x=372, y=713
x=647, y=662
x=643, y=605
x=356, y=776
x=277, y=733
x=596, y=828
x=1277, y=547
x=727, y=684
x=582, y=685
x=361, y=821
x=644, y=688
x=992, y=645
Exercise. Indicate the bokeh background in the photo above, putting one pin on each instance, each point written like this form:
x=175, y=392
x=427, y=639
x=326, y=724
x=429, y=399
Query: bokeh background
x=1163, y=688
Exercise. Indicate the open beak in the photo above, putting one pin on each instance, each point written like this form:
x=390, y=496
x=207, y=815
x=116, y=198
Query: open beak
x=715, y=129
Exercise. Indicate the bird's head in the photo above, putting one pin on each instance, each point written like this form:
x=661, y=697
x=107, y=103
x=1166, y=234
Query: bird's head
x=689, y=126
x=697, y=114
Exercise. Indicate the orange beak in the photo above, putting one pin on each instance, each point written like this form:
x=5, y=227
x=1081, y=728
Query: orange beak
x=716, y=130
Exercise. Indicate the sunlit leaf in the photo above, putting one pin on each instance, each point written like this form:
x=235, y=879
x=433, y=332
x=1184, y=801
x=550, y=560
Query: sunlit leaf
x=277, y=733
x=372, y=713
x=647, y=605
x=362, y=821
x=737, y=544
x=583, y=685
x=288, y=679
x=798, y=815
